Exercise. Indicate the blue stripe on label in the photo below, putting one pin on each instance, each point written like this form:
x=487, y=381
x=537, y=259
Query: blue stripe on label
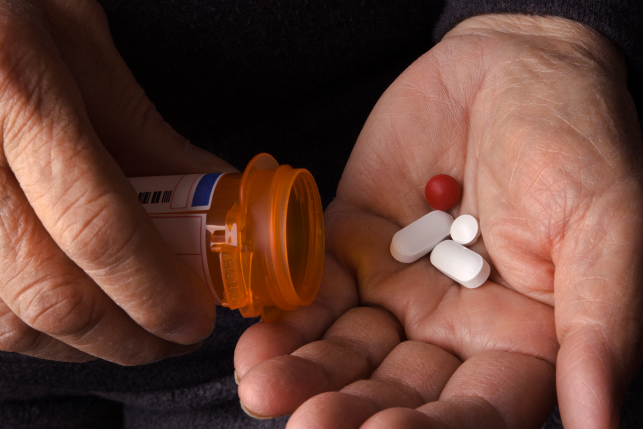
x=204, y=190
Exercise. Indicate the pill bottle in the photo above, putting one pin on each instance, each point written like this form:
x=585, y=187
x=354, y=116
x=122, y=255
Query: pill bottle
x=255, y=238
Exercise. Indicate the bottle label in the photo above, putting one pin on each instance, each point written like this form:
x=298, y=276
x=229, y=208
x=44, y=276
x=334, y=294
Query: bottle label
x=168, y=201
x=166, y=194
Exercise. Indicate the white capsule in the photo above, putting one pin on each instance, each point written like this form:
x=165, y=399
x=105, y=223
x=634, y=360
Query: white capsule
x=465, y=230
x=460, y=264
x=419, y=238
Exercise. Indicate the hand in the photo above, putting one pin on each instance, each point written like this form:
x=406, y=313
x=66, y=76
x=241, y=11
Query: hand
x=83, y=272
x=531, y=115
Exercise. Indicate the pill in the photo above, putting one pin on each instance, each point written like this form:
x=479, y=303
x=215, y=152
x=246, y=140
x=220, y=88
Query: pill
x=460, y=264
x=419, y=238
x=442, y=192
x=465, y=230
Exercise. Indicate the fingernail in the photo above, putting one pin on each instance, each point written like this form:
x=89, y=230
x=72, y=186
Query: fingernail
x=184, y=350
x=236, y=378
x=197, y=330
x=245, y=410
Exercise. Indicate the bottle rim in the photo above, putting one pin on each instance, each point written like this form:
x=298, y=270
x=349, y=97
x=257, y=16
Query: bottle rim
x=289, y=183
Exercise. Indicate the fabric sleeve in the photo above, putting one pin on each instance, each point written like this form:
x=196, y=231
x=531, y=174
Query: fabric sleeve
x=621, y=21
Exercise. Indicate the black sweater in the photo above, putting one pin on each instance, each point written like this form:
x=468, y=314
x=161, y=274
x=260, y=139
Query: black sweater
x=238, y=77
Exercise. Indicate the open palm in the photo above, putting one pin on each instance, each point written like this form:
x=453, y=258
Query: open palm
x=542, y=136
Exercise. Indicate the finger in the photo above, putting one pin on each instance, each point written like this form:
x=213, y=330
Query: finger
x=17, y=337
x=124, y=119
x=83, y=200
x=413, y=374
x=54, y=298
x=598, y=311
x=296, y=328
x=490, y=390
x=345, y=354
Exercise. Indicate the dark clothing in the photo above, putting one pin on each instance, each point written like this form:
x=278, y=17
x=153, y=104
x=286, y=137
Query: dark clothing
x=238, y=77
x=618, y=20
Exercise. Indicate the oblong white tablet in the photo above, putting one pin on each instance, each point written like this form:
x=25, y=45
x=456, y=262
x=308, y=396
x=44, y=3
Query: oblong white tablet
x=465, y=230
x=460, y=264
x=417, y=239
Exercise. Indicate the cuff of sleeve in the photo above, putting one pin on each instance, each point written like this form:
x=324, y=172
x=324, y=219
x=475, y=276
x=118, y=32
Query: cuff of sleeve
x=618, y=20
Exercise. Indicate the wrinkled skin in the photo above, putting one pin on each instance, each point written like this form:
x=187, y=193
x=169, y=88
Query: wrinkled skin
x=83, y=272
x=531, y=116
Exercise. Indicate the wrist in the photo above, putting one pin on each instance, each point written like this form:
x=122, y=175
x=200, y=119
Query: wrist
x=556, y=35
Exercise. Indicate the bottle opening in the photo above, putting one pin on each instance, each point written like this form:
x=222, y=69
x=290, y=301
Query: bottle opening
x=304, y=237
x=297, y=236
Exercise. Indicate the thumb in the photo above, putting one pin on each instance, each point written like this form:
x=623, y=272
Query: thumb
x=599, y=302
x=124, y=119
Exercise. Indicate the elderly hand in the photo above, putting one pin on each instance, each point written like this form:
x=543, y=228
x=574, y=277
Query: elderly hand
x=83, y=272
x=531, y=115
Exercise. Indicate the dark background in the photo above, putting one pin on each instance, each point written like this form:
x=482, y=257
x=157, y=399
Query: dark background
x=294, y=79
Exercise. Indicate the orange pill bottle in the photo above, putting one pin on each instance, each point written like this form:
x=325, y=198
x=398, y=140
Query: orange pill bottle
x=255, y=238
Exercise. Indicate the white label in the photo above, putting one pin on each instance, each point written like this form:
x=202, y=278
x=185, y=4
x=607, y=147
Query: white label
x=163, y=197
x=166, y=194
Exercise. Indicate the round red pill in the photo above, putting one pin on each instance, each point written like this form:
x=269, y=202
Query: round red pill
x=442, y=192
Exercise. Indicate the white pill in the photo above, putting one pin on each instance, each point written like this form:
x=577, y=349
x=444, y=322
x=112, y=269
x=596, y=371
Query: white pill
x=465, y=230
x=460, y=264
x=419, y=238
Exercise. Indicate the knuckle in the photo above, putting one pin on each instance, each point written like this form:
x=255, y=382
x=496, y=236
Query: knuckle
x=160, y=322
x=97, y=233
x=80, y=222
x=15, y=335
x=60, y=311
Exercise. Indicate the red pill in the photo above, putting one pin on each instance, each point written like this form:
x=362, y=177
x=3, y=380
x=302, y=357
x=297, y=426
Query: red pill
x=442, y=192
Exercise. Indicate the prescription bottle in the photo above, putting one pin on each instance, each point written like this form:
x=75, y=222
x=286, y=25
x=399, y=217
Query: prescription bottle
x=256, y=238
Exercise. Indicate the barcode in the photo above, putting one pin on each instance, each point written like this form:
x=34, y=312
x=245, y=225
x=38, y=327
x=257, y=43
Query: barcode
x=154, y=197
